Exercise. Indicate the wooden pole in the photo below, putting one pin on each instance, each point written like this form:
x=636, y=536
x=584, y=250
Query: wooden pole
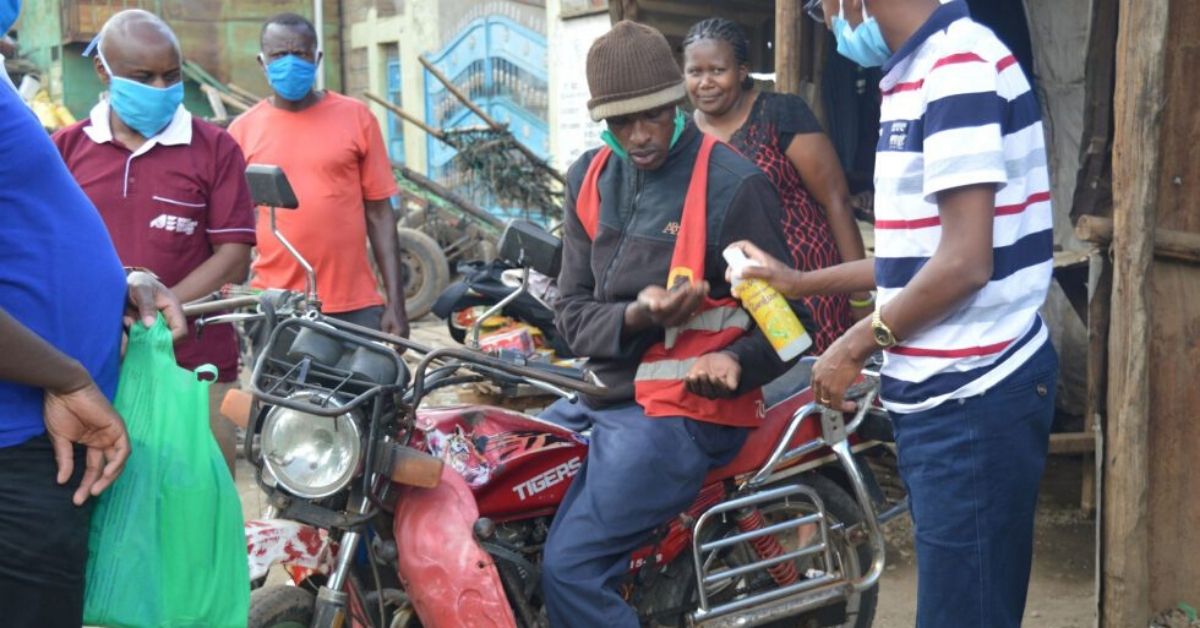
x=1168, y=243
x=787, y=46
x=1139, y=101
x=406, y=116
x=496, y=126
x=454, y=199
x=622, y=10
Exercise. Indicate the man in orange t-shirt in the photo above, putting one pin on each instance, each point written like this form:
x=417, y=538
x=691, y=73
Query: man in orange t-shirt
x=332, y=151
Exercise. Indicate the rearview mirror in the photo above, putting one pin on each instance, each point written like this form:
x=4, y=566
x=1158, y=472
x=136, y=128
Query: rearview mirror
x=269, y=186
x=526, y=244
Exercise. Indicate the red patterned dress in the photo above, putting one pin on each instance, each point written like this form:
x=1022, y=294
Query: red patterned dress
x=774, y=121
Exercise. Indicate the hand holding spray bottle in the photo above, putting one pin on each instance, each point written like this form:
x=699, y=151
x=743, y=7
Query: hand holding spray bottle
x=768, y=308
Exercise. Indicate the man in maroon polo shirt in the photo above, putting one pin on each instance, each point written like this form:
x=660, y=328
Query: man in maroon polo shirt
x=170, y=188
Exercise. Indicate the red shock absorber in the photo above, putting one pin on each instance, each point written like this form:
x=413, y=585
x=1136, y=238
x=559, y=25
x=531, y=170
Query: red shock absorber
x=767, y=546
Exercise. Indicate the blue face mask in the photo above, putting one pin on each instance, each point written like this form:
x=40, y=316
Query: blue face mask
x=143, y=108
x=291, y=77
x=610, y=139
x=863, y=45
x=9, y=11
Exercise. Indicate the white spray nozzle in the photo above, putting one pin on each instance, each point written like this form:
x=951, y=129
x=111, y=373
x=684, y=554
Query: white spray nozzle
x=738, y=262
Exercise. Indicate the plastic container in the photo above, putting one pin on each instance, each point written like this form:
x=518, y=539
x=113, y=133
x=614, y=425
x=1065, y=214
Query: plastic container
x=770, y=310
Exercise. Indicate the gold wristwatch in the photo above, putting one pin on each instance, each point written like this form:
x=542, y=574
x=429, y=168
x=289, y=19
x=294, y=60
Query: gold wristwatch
x=883, y=334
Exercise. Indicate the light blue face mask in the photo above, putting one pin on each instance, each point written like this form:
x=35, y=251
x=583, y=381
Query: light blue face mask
x=143, y=108
x=680, y=124
x=10, y=10
x=291, y=77
x=863, y=45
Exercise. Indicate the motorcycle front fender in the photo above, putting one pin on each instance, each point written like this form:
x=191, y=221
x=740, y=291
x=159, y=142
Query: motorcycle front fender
x=302, y=548
x=450, y=580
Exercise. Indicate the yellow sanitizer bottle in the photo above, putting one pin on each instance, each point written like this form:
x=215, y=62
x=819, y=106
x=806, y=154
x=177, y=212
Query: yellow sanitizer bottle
x=770, y=310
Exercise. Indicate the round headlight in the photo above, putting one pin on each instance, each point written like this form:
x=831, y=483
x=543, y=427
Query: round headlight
x=311, y=456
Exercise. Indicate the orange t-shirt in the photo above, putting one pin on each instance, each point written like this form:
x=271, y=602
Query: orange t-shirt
x=335, y=159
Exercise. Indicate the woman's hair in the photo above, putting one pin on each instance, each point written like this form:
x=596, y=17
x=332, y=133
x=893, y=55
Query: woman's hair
x=721, y=29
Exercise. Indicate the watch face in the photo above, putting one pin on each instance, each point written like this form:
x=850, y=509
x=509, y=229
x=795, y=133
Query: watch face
x=882, y=336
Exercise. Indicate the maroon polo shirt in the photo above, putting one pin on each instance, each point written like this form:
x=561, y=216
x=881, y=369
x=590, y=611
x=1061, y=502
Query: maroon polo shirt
x=167, y=205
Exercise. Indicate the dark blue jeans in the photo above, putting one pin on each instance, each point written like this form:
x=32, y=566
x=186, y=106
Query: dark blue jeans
x=640, y=472
x=972, y=468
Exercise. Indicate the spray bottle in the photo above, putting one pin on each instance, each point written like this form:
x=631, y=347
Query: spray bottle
x=769, y=309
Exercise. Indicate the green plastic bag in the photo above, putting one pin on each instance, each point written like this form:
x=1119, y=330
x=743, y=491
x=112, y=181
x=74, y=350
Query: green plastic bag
x=167, y=545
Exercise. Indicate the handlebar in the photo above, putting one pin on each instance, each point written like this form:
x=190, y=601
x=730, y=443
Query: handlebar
x=212, y=306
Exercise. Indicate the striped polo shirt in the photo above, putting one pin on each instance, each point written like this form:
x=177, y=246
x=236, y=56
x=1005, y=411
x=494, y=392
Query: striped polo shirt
x=957, y=110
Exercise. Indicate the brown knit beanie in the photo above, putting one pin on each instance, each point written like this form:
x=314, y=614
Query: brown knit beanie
x=631, y=69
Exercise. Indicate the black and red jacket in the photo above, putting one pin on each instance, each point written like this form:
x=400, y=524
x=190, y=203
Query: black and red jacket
x=640, y=214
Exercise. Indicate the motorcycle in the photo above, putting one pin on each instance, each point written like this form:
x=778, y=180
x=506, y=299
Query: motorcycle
x=387, y=514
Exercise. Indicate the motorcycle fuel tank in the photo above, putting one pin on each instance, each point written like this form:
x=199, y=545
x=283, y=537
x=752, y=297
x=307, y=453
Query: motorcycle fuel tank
x=516, y=465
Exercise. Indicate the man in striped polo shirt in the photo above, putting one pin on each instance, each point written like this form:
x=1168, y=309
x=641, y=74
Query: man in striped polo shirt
x=964, y=256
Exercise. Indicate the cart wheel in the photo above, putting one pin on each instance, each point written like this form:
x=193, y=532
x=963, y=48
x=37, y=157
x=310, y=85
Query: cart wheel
x=447, y=233
x=426, y=271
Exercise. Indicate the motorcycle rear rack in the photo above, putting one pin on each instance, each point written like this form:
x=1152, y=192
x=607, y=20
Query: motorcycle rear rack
x=702, y=551
x=809, y=593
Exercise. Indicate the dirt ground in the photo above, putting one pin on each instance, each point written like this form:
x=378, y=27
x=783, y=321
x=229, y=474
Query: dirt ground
x=1061, y=590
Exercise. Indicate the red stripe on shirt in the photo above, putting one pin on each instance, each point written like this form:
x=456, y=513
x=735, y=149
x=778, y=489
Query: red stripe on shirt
x=919, y=223
x=933, y=221
x=1008, y=210
x=962, y=57
x=1004, y=63
x=904, y=87
x=968, y=352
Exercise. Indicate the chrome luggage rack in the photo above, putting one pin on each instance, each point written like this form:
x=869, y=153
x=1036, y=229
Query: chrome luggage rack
x=809, y=593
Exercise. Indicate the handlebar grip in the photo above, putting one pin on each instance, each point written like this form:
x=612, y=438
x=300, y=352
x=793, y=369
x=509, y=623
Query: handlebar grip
x=553, y=369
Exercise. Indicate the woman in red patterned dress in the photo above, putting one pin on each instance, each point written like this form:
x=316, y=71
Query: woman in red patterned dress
x=780, y=134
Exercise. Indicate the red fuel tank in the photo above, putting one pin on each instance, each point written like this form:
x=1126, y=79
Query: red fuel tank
x=516, y=465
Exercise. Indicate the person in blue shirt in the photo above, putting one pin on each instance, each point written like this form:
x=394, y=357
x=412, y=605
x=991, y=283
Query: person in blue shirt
x=63, y=298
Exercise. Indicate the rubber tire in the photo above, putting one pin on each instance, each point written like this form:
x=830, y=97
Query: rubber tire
x=423, y=261
x=845, y=509
x=281, y=605
x=842, y=507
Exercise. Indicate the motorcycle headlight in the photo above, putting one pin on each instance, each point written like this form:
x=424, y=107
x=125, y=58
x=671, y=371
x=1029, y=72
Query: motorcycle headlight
x=311, y=456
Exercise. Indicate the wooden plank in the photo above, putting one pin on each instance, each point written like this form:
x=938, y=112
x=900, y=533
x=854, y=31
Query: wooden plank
x=406, y=116
x=1174, y=435
x=1099, y=302
x=1072, y=443
x=1168, y=243
x=1141, y=47
x=787, y=46
x=1093, y=184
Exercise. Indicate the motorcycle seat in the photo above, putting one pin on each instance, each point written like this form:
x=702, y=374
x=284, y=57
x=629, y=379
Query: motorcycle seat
x=763, y=439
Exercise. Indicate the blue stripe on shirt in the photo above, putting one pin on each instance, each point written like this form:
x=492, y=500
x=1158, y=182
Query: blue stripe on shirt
x=903, y=392
x=961, y=111
x=1031, y=250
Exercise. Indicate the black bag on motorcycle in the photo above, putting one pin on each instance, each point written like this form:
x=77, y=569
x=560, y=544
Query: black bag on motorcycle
x=481, y=284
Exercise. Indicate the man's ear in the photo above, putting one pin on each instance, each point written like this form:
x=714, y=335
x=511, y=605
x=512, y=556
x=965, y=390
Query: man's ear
x=320, y=56
x=101, y=73
x=262, y=63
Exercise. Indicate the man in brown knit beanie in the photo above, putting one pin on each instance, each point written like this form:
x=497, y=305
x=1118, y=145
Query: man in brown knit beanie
x=644, y=297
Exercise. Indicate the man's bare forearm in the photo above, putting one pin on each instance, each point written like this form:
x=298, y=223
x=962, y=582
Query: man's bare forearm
x=381, y=232
x=856, y=276
x=229, y=264
x=26, y=358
